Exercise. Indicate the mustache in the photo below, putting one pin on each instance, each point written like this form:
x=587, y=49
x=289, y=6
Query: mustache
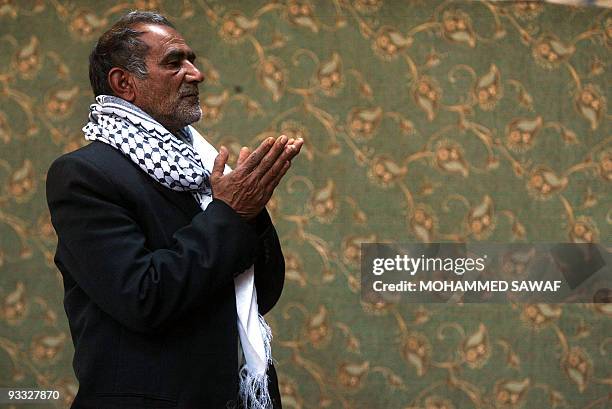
x=188, y=91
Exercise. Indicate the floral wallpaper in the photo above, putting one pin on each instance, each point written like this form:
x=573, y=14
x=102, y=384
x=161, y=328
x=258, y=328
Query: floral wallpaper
x=423, y=121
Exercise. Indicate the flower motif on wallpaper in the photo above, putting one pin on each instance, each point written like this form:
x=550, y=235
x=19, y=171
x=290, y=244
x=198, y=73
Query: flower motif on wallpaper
x=449, y=157
x=476, y=349
x=301, y=13
x=416, y=351
x=539, y=315
x=212, y=106
x=362, y=123
x=510, y=394
x=521, y=133
x=350, y=375
x=549, y=52
x=85, y=24
x=294, y=268
x=46, y=349
x=480, y=220
x=488, y=89
x=384, y=171
x=583, y=230
x=329, y=75
x=22, y=182
x=235, y=26
x=543, y=183
x=59, y=103
x=28, y=59
x=15, y=306
x=423, y=223
x=272, y=75
x=591, y=104
x=457, y=27
x=323, y=202
x=427, y=94
x=389, y=42
x=317, y=328
x=578, y=367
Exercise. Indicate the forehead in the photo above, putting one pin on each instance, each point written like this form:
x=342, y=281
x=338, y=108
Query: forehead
x=162, y=39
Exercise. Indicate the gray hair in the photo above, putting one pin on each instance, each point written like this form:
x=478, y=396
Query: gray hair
x=121, y=47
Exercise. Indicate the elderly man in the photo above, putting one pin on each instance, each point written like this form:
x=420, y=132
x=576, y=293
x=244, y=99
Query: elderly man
x=169, y=257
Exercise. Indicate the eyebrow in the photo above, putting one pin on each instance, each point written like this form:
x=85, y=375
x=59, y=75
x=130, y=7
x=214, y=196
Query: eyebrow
x=179, y=55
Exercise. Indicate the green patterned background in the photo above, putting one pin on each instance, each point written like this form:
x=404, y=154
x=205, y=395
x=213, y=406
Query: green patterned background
x=423, y=120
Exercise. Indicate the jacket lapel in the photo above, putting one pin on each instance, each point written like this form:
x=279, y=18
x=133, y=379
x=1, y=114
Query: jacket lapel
x=184, y=201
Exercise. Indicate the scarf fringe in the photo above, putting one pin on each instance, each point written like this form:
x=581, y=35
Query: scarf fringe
x=253, y=391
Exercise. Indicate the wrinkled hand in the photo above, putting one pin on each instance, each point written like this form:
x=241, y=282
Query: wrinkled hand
x=248, y=187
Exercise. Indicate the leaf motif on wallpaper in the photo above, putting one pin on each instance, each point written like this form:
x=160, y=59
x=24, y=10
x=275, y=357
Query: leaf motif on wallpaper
x=301, y=14
x=290, y=393
x=515, y=262
x=510, y=393
x=476, y=348
x=15, y=306
x=22, y=182
x=362, y=123
x=488, y=89
x=389, y=42
x=294, y=269
x=60, y=103
x=481, y=220
x=85, y=24
x=416, y=351
x=323, y=202
x=350, y=375
x=591, y=104
x=437, y=402
x=235, y=26
x=351, y=247
x=317, y=328
x=549, y=52
x=583, y=230
x=28, y=59
x=427, y=95
x=384, y=171
x=272, y=76
x=543, y=183
x=578, y=367
x=449, y=157
x=329, y=75
x=423, y=223
x=457, y=27
x=539, y=315
x=45, y=348
x=212, y=106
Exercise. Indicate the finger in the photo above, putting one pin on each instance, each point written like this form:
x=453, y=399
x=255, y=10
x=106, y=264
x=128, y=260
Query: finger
x=277, y=178
x=244, y=153
x=287, y=155
x=268, y=161
x=220, y=161
x=255, y=157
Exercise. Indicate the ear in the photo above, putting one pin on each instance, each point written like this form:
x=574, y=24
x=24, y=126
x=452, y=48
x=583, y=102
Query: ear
x=122, y=84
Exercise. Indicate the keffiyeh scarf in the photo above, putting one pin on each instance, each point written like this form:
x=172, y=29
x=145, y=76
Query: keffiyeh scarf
x=180, y=166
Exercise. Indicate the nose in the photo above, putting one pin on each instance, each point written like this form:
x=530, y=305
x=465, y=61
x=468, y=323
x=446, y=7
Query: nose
x=193, y=74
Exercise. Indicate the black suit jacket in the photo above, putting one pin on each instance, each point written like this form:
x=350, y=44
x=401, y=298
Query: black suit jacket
x=148, y=281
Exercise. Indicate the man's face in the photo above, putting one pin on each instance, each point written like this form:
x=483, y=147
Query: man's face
x=169, y=93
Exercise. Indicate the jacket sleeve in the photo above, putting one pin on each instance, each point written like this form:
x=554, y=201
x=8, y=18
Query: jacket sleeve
x=103, y=249
x=269, y=264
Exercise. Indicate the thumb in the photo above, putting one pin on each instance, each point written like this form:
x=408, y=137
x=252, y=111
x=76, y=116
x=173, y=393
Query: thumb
x=220, y=162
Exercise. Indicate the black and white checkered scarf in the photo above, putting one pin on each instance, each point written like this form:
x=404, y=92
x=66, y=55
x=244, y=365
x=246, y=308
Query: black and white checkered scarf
x=184, y=165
